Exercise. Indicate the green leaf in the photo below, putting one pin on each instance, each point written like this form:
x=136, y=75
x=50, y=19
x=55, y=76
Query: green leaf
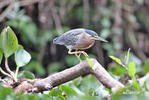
x=22, y=57
x=68, y=90
x=26, y=74
x=88, y=83
x=5, y=93
x=131, y=69
x=135, y=84
x=146, y=67
x=8, y=41
x=1, y=55
x=55, y=92
x=117, y=60
x=91, y=64
x=117, y=69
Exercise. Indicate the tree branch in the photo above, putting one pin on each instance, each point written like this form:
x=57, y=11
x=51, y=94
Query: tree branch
x=83, y=68
x=4, y=3
x=8, y=9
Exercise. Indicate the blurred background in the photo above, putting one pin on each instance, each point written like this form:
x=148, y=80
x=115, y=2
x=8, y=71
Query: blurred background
x=124, y=23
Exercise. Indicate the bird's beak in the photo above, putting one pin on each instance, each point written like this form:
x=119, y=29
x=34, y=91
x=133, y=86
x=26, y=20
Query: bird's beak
x=99, y=38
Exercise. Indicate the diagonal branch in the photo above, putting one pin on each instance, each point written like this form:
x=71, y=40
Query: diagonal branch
x=83, y=68
x=8, y=9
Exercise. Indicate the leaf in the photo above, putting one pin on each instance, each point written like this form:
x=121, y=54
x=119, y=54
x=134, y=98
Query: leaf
x=147, y=84
x=91, y=64
x=8, y=41
x=146, y=67
x=135, y=84
x=68, y=90
x=117, y=60
x=88, y=83
x=55, y=92
x=5, y=93
x=22, y=57
x=127, y=57
x=26, y=74
x=1, y=55
x=131, y=69
x=89, y=61
x=117, y=69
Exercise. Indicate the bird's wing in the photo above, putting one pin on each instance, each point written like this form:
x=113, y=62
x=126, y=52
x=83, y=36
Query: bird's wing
x=71, y=37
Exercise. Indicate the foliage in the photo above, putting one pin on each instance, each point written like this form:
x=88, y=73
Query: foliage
x=80, y=88
x=8, y=42
x=123, y=23
x=22, y=57
x=9, y=45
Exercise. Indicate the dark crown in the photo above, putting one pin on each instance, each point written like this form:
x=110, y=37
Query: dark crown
x=90, y=32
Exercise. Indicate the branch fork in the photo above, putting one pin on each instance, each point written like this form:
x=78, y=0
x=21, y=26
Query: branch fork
x=83, y=68
x=10, y=73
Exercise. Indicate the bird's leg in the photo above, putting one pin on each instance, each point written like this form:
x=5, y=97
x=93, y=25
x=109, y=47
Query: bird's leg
x=78, y=52
x=78, y=56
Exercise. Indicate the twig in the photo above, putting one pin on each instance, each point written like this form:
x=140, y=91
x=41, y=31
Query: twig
x=29, y=2
x=21, y=2
x=16, y=73
x=8, y=69
x=56, y=20
x=4, y=3
x=4, y=73
x=8, y=9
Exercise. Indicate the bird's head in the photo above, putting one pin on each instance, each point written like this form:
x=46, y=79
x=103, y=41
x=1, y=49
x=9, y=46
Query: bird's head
x=94, y=35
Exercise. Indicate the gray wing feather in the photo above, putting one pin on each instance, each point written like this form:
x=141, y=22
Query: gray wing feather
x=69, y=38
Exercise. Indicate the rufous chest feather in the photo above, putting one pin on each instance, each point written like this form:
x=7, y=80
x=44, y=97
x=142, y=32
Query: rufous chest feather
x=85, y=42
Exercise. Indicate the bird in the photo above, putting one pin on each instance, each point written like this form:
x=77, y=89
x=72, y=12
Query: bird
x=79, y=40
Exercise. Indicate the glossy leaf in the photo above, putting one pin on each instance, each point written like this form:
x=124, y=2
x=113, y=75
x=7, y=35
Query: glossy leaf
x=68, y=90
x=8, y=42
x=55, y=92
x=22, y=57
x=135, y=84
x=117, y=70
x=26, y=74
x=116, y=60
x=5, y=93
x=131, y=69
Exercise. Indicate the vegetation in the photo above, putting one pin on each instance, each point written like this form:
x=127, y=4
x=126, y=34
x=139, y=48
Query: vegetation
x=26, y=37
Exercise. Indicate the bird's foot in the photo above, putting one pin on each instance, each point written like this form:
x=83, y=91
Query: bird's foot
x=78, y=54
